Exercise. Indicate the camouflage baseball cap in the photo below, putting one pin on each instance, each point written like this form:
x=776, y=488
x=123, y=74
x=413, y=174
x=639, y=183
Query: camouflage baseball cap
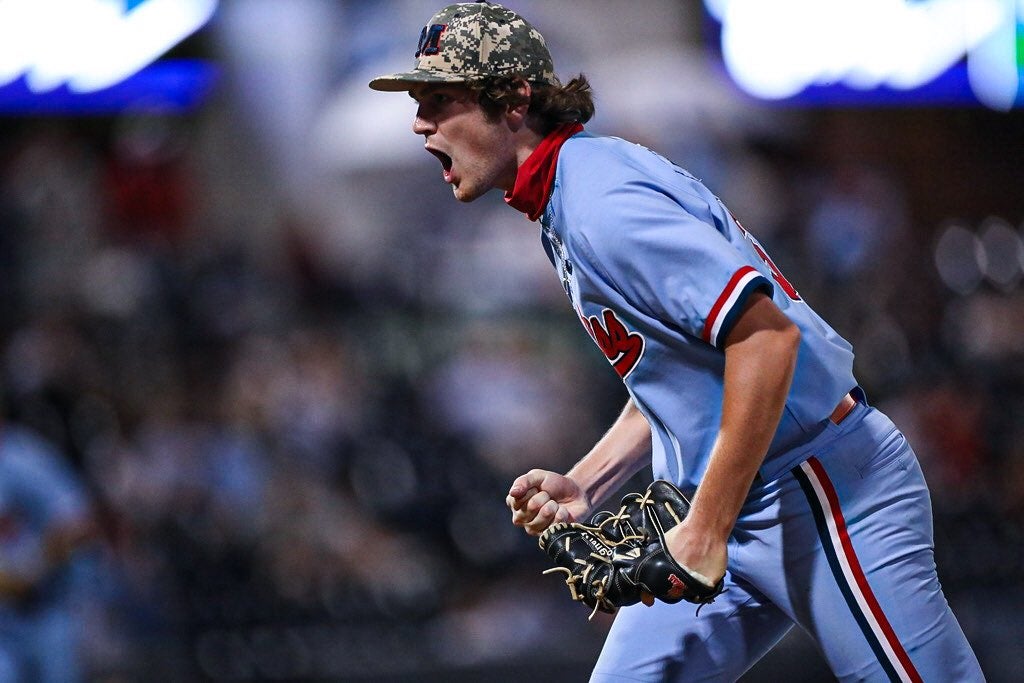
x=469, y=41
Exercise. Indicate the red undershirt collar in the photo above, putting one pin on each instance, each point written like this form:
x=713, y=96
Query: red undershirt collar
x=537, y=174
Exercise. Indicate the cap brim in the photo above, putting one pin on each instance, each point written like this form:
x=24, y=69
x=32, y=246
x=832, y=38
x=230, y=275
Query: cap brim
x=410, y=79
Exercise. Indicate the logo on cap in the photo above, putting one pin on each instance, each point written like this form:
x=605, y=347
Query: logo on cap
x=430, y=40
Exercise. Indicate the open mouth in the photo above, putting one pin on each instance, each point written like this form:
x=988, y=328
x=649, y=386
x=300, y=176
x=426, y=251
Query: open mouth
x=446, y=163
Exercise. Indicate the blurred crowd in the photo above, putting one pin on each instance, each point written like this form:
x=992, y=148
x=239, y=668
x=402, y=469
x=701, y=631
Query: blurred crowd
x=278, y=440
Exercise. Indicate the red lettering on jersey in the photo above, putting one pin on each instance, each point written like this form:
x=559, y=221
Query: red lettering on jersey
x=620, y=346
x=777, y=275
x=788, y=288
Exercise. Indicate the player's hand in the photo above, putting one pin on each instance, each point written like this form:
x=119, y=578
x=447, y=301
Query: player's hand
x=698, y=551
x=541, y=498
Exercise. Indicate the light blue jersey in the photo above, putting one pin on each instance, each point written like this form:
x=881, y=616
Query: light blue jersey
x=658, y=270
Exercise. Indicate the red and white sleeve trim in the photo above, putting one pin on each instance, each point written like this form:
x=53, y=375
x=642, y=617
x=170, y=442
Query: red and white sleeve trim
x=724, y=312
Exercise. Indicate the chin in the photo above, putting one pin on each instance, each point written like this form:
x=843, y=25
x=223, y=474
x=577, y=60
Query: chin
x=465, y=195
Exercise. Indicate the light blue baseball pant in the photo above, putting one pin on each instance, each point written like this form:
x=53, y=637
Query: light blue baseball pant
x=840, y=545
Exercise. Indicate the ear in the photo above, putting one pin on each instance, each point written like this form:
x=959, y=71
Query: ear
x=516, y=114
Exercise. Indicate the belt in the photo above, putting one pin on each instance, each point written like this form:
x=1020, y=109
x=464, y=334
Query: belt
x=846, y=404
x=840, y=413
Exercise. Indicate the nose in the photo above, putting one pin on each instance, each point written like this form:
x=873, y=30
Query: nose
x=422, y=125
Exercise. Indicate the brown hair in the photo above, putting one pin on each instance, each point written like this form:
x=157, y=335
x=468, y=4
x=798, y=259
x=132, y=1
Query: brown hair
x=550, y=105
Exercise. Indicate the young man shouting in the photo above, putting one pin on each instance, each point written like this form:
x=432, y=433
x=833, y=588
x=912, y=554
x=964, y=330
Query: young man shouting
x=807, y=501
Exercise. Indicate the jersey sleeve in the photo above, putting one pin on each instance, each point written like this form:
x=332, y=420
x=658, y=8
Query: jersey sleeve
x=666, y=255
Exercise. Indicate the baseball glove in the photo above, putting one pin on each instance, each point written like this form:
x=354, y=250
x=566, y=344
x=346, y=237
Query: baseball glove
x=619, y=558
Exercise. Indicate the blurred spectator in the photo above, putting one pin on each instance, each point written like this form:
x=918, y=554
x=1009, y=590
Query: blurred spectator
x=46, y=530
x=511, y=397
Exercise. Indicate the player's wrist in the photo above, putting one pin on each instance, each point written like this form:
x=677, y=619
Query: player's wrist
x=581, y=507
x=710, y=528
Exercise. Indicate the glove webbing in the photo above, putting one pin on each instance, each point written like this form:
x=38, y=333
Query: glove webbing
x=571, y=580
x=623, y=526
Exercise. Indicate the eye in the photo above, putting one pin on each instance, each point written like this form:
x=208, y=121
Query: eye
x=440, y=98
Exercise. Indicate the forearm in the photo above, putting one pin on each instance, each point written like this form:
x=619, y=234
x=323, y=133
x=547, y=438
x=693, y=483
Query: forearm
x=758, y=373
x=621, y=452
x=541, y=498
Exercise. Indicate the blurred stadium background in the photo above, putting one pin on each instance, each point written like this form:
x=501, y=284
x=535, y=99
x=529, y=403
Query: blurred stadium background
x=293, y=378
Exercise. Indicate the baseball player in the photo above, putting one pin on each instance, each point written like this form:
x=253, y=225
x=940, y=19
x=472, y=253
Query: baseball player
x=807, y=502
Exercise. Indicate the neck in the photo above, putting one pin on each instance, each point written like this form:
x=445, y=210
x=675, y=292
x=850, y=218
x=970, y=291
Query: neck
x=526, y=141
x=535, y=176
